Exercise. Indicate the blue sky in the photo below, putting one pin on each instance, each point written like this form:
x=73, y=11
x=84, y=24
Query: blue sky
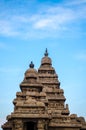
x=27, y=28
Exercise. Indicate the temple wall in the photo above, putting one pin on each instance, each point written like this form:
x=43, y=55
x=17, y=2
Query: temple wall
x=17, y=125
x=64, y=129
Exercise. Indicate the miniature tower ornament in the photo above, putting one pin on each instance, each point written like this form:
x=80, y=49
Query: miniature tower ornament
x=31, y=65
x=46, y=52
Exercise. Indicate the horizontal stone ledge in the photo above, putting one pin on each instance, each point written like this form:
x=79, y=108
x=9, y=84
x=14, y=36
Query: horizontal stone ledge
x=29, y=116
x=66, y=125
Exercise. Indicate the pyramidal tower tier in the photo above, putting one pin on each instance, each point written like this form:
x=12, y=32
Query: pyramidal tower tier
x=49, y=79
x=40, y=105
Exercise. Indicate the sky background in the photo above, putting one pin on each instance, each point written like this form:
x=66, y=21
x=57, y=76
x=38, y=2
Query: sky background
x=27, y=28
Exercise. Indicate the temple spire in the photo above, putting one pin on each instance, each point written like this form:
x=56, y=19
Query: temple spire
x=46, y=52
x=31, y=65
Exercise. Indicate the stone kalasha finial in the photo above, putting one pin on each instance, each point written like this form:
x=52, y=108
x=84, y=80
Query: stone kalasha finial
x=46, y=52
x=31, y=65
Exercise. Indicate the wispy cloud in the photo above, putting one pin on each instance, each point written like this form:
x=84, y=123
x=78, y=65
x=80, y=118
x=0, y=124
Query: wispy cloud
x=7, y=28
x=42, y=23
x=54, y=18
x=47, y=22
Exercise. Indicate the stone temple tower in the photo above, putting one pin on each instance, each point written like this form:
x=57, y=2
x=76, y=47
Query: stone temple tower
x=40, y=104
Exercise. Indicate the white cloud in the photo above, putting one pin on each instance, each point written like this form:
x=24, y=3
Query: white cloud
x=42, y=23
x=54, y=20
x=7, y=28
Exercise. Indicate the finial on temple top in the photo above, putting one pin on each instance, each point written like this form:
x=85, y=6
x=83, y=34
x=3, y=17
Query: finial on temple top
x=31, y=65
x=46, y=52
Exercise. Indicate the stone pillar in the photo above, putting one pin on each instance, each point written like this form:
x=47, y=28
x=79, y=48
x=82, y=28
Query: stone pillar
x=17, y=125
x=40, y=125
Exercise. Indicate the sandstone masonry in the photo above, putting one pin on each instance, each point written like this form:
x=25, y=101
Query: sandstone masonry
x=40, y=105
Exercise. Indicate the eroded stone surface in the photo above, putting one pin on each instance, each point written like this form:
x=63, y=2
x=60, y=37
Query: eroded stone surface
x=40, y=105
